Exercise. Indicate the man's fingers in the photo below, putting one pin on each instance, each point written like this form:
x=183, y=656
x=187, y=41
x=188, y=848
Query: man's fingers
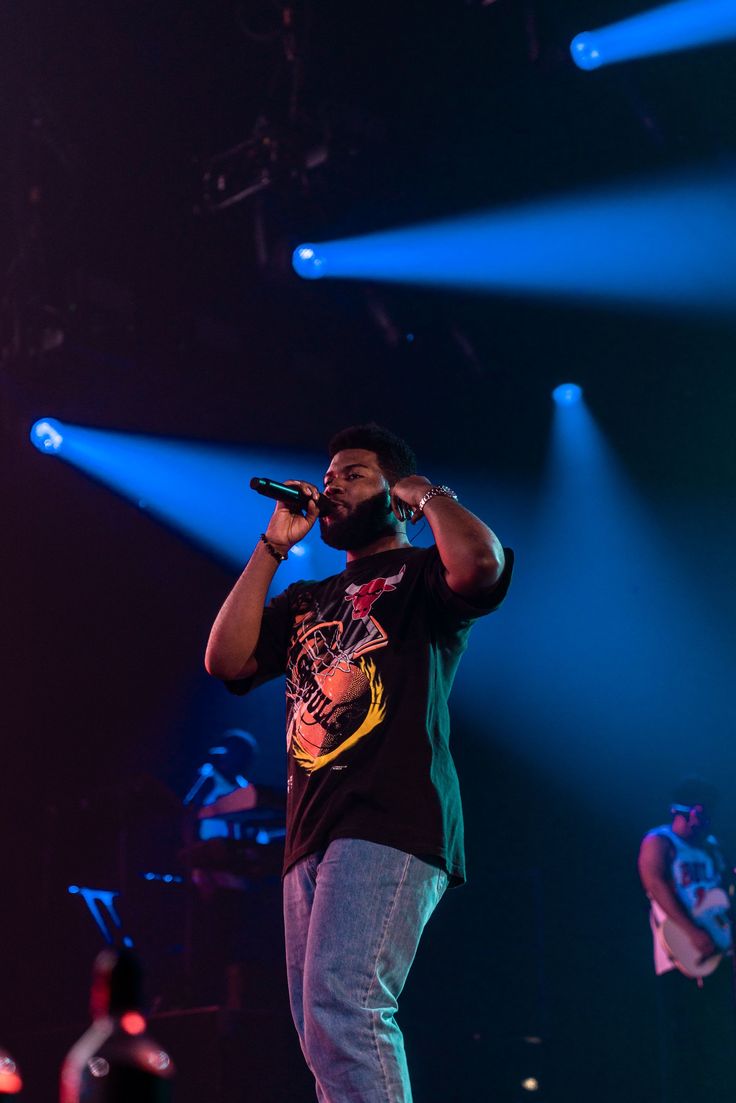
x=307, y=488
x=398, y=508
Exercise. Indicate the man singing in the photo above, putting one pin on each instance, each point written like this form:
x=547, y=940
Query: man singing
x=374, y=820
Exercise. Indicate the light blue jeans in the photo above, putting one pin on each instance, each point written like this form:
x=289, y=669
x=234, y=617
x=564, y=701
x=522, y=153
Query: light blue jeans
x=354, y=915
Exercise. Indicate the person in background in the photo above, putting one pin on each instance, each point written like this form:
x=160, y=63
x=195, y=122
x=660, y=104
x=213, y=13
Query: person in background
x=683, y=874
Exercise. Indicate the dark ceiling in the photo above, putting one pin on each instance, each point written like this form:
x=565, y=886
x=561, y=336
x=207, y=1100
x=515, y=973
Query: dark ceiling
x=180, y=319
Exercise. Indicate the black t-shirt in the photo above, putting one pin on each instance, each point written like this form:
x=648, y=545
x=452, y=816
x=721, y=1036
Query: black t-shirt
x=370, y=655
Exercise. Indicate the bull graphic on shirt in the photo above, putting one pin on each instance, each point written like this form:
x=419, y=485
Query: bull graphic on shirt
x=335, y=693
x=363, y=597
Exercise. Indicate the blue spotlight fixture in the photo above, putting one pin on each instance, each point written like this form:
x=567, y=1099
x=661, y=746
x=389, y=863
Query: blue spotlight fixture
x=585, y=53
x=308, y=262
x=682, y=25
x=567, y=394
x=47, y=434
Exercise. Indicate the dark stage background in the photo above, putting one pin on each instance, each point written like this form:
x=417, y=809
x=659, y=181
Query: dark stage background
x=131, y=304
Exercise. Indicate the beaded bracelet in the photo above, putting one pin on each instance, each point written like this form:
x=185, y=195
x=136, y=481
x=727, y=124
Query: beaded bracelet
x=277, y=555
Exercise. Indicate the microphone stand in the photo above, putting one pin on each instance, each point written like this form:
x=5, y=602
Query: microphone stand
x=206, y=770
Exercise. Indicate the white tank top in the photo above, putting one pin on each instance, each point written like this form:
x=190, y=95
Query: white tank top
x=694, y=871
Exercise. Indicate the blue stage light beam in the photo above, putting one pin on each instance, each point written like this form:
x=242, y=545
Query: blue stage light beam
x=670, y=244
x=601, y=697
x=201, y=490
x=662, y=30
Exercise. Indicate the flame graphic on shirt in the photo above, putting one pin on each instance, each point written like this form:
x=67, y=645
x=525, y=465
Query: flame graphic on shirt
x=336, y=695
x=317, y=759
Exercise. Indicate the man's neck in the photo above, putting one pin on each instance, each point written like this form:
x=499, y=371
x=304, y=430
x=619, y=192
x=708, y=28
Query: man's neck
x=388, y=542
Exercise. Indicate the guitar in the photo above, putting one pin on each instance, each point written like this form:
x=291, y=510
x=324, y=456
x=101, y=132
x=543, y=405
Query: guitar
x=713, y=913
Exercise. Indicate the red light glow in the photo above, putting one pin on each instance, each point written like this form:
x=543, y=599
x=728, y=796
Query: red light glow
x=133, y=1023
x=10, y=1083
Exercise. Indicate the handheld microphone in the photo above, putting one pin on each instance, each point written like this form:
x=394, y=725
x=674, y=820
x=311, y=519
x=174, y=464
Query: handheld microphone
x=292, y=496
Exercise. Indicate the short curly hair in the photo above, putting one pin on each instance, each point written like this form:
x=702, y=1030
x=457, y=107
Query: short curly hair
x=395, y=457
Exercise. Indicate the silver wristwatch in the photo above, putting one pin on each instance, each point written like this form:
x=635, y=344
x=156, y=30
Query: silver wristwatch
x=433, y=492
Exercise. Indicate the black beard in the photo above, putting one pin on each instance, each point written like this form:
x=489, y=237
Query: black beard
x=366, y=523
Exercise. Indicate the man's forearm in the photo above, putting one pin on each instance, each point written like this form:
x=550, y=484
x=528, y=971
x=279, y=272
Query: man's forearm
x=471, y=554
x=670, y=903
x=237, y=626
x=236, y=630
